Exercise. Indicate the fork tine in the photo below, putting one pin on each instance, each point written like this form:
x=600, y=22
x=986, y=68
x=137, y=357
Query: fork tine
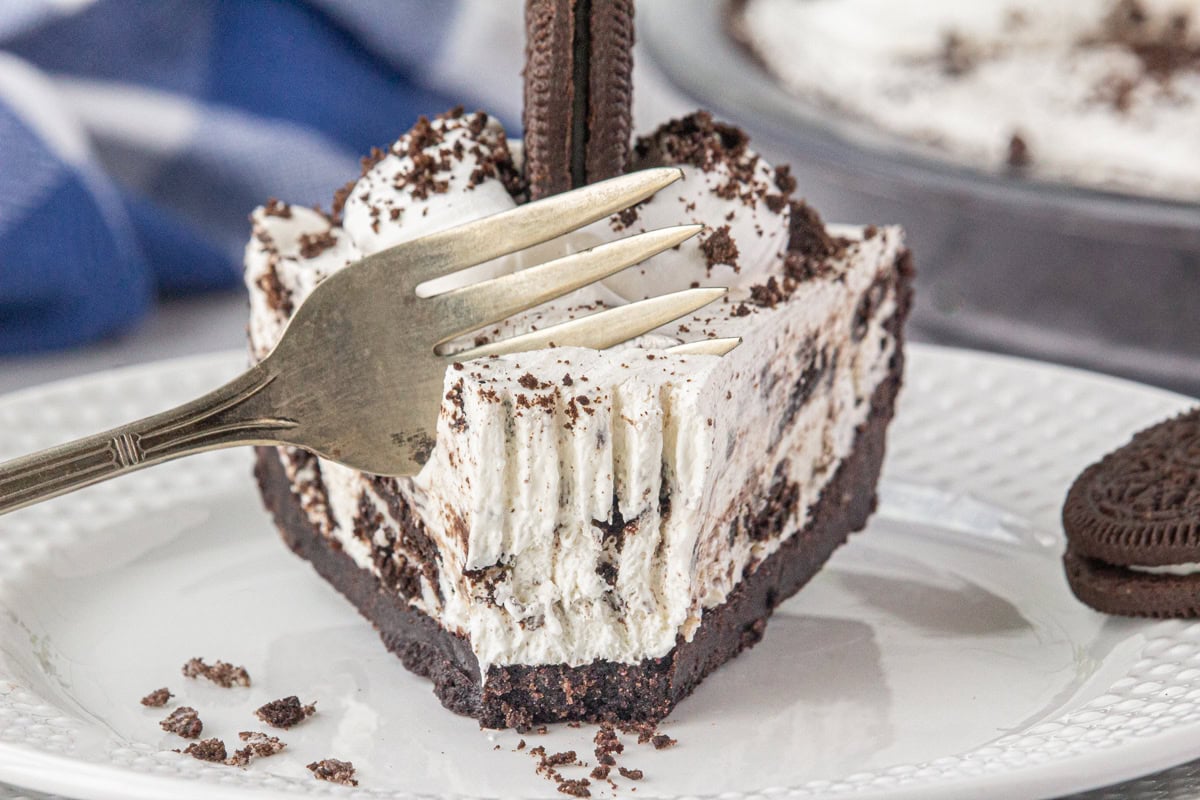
x=604, y=329
x=705, y=347
x=481, y=240
x=479, y=304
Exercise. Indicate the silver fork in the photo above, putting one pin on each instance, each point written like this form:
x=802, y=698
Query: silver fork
x=356, y=376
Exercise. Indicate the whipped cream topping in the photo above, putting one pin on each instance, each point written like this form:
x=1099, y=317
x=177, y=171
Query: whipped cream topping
x=591, y=505
x=727, y=187
x=440, y=174
x=1102, y=93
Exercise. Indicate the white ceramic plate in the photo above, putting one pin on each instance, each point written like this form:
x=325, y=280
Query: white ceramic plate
x=938, y=655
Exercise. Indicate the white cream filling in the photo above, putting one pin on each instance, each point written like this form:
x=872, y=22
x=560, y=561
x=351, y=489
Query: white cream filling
x=1187, y=568
x=881, y=62
x=516, y=492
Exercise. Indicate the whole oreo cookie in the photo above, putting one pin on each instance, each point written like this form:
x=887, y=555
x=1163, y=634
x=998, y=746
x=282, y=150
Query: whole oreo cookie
x=1133, y=525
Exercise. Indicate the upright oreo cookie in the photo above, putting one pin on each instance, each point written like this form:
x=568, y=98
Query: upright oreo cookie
x=1132, y=517
x=578, y=92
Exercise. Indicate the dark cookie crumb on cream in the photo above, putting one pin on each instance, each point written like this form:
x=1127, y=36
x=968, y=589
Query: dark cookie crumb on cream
x=1159, y=42
x=1019, y=156
x=277, y=297
x=719, y=248
x=313, y=244
x=274, y=208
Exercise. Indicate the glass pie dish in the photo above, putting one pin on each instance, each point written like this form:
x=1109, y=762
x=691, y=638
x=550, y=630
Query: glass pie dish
x=1007, y=263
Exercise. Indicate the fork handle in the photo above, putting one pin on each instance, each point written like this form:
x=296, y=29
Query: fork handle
x=233, y=414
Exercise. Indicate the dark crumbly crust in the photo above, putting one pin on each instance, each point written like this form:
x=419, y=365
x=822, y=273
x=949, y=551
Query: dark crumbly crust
x=520, y=696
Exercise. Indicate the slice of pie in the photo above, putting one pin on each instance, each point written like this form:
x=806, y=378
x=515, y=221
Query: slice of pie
x=597, y=531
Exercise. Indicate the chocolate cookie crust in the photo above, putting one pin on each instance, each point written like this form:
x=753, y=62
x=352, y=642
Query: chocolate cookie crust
x=520, y=696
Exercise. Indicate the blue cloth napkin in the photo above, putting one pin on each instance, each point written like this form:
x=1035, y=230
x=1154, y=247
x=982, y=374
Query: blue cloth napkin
x=136, y=135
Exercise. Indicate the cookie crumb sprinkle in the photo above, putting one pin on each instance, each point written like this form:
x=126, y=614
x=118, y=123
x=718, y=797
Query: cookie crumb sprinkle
x=207, y=750
x=183, y=721
x=221, y=673
x=258, y=745
x=575, y=787
x=334, y=771
x=285, y=712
